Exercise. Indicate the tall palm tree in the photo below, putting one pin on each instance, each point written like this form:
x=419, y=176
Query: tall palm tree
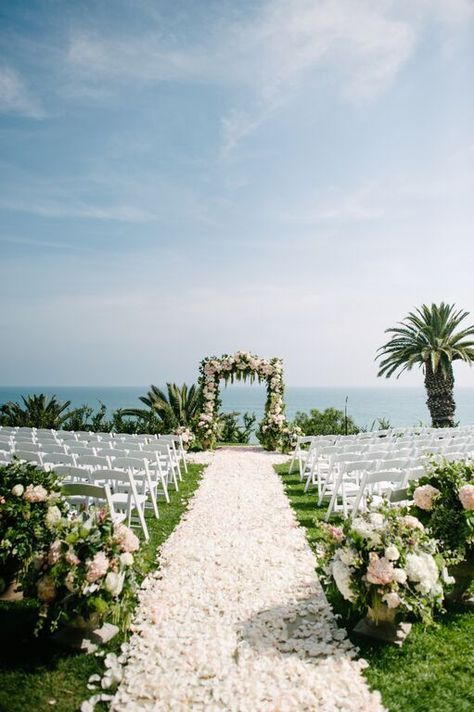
x=428, y=337
x=179, y=405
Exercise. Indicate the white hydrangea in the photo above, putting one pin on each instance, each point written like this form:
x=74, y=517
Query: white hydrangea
x=422, y=569
x=366, y=530
x=347, y=555
x=392, y=553
x=342, y=576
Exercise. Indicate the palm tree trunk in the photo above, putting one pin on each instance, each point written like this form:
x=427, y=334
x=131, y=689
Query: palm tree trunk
x=440, y=402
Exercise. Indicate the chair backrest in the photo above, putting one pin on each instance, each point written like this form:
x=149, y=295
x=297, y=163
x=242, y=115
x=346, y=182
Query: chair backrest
x=358, y=466
x=70, y=472
x=35, y=458
x=92, y=461
x=396, y=463
x=130, y=463
x=74, y=449
x=88, y=491
x=58, y=459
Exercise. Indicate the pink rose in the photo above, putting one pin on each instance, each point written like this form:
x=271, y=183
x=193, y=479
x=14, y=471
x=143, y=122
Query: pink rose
x=126, y=539
x=72, y=558
x=54, y=553
x=46, y=590
x=424, y=496
x=35, y=494
x=412, y=522
x=379, y=571
x=96, y=567
x=466, y=495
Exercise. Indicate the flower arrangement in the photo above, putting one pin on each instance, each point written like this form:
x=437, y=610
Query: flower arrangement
x=444, y=501
x=87, y=575
x=384, y=560
x=187, y=436
x=30, y=508
x=274, y=432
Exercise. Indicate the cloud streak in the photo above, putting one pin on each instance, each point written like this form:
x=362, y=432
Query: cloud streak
x=15, y=97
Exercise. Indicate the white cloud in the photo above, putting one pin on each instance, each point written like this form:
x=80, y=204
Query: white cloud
x=359, y=46
x=14, y=96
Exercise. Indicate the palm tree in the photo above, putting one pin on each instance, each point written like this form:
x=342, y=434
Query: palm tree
x=428, y=337
x=178, y=406
x=38, y=411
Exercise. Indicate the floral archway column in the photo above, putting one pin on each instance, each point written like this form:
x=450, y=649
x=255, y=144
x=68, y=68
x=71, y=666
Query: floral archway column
x=274, y=432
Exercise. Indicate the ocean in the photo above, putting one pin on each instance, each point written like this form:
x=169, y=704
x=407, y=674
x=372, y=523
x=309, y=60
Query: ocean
x=401, y=405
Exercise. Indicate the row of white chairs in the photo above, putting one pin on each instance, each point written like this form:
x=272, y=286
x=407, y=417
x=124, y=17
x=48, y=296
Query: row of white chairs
x=128, y=473
x=350, y=469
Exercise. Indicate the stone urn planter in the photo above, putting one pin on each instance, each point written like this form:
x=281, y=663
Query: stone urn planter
x=12, y=592
x=85, y=634
x=380, y=624
x=463, y=574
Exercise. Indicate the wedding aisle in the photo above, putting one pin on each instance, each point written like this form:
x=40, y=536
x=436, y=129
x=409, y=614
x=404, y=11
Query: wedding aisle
x=235, y=619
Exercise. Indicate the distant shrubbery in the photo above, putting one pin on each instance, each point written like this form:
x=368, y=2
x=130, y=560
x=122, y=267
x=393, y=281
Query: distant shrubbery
x=326, y=422
x=164, y=412
x=231, y=431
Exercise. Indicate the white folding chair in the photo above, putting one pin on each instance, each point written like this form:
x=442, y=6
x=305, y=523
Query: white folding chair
x=125, y=494
x=140, y=472
x=79, y=493
x=378, y=477
x=347, y=484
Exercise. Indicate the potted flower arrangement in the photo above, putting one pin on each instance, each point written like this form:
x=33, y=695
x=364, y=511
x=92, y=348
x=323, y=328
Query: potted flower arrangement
x=30, y=507
x=87, y=575
x=385, y=565
x=444, y=501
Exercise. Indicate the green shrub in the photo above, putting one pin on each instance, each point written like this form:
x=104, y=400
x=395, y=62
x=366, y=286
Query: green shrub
x=328, y=422
x=231, y=431
x=30, y=503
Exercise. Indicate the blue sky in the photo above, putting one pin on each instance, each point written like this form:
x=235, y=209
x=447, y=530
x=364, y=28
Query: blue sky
x=182, y=178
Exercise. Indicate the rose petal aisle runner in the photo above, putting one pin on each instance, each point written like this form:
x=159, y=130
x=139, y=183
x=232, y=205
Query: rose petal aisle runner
x=235, y=619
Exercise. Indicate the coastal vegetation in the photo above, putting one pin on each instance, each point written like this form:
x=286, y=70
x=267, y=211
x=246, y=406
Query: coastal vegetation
x=429, y=337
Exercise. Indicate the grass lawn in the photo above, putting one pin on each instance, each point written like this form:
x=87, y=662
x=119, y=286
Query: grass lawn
x=434, y=670
x=34, y=673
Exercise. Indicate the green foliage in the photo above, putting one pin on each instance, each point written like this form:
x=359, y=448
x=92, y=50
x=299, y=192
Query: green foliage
x=232, y=431
x=328, y=422
x=84, y=418
x=447, y=520
x=382, y=424
x=178, y=406
x=29, y=501
x=37, y=411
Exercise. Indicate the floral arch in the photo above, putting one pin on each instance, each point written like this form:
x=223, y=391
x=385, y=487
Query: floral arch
x=274, y=432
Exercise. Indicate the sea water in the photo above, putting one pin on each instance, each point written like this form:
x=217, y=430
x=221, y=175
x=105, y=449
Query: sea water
x=401, y=405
